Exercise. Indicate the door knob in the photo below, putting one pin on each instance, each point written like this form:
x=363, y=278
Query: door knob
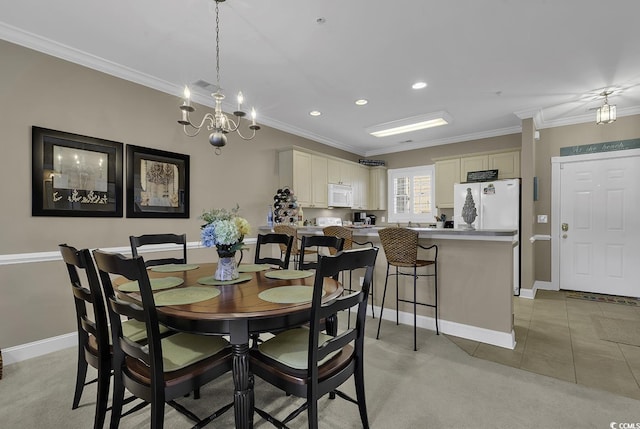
x=564, y=236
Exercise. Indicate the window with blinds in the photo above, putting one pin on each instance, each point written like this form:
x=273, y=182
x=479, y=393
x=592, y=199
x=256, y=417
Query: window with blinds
x=412, y=194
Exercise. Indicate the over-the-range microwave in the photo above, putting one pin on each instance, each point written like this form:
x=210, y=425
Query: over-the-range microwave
x=340, y=195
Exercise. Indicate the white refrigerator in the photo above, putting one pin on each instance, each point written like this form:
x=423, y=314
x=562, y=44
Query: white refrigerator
x=498, y=207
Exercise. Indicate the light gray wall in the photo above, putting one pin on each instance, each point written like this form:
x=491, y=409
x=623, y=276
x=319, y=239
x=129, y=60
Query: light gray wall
x=36, y=89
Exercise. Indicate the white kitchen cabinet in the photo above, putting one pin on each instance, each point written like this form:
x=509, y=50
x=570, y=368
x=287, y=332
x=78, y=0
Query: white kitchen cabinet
x=507, y=164
x=378, y=188
x=340, y=172
x=447, y=173
x=472, y=163
x=360, y=186
x=319, y=181
x=306, y=175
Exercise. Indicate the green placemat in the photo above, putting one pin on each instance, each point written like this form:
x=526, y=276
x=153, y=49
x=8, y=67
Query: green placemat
x=288, y=274
x=209, y=280
x=156, y=284
x=172, y=268
x=253, y=268
x=288, y=294
x=185, y=295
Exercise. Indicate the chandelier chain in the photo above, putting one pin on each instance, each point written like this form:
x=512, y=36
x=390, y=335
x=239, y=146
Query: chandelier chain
x=217, y=47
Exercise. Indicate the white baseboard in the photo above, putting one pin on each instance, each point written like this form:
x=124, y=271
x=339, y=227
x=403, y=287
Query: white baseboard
x=496, y=338
x=537, y=285
x=38, y=348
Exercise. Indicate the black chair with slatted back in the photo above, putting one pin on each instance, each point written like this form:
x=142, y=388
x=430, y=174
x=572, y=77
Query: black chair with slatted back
x=329, y=243
x=93, y=329
x=165, y=368
x=268, y=239
x=150, y=239
x=347, y=234
x=310, y=364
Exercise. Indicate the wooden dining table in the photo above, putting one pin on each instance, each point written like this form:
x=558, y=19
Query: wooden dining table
x=239, y=312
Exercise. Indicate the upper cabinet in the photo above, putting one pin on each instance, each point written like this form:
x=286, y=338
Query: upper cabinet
x=472, y=163
x=447, y=173
x=360, y=186
x=306, y=175
x=378, y=188
x=507, y=164
x=454, y=170
x=340, y=172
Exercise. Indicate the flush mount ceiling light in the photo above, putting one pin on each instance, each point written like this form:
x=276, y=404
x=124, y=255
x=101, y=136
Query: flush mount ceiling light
x=414, y=123
x=361, y=102
x=315, y=113
x=606, y=113
x=419, y=85
x=219, y=123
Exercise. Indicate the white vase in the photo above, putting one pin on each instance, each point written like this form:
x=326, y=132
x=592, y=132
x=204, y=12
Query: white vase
x=227, y=267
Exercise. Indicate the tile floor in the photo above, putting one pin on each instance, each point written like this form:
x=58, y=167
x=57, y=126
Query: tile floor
x=555, y=336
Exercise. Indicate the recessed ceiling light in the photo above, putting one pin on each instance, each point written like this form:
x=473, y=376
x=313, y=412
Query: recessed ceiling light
x=361, y=102
x=315, y=113
x=419, y=85
x=414, y=123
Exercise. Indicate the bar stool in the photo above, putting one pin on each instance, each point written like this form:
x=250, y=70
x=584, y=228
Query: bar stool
x=295, y=248
x=401, y=250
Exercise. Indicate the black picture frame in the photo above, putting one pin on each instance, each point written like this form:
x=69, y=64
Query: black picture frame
x=75, y=175
x=157, y=183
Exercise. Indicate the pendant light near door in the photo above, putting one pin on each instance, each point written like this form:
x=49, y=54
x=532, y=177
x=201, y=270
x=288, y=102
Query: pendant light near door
x=606, y=113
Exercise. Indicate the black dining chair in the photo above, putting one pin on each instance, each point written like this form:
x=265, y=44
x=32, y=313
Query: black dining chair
x=93, y=329
x=347, y=234
x=165, y=368
x=318, y=242
x=150, y=239
x=310, y=364
x=263, y=244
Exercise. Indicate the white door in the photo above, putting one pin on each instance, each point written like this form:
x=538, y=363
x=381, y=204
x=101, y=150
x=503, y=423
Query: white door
x=600, y=226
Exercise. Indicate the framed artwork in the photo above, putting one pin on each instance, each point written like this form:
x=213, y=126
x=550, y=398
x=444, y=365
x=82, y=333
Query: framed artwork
x=74, y=175
x=157, y=183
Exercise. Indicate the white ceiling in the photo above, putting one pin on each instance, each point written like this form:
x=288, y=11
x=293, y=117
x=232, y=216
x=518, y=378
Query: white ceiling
x=487, y=63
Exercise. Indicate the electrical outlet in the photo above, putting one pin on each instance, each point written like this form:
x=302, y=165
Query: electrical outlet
x=542, y=218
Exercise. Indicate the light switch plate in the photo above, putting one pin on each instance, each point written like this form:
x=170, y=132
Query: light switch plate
x=542, y=218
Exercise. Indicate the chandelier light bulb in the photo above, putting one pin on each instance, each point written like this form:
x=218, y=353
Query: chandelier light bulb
x=187, y=93
x=240, y=100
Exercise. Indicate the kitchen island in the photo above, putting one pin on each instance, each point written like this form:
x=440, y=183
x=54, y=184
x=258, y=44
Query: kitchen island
x=475, y=282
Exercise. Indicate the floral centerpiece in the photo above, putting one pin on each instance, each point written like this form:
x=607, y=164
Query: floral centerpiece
x=225, y=230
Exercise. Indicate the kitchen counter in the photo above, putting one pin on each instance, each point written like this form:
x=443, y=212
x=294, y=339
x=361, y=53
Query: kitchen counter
x=439, y=233
x=475, y=282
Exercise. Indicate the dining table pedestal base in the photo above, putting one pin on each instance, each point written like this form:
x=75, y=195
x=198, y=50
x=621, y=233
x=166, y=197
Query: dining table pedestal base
x=243, y=387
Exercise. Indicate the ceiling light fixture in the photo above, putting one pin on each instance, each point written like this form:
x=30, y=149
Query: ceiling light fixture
x=414, y=123
x=315, y=113
x=361, y=102
x=419, y=85
x=218, y=122
x=606, y=113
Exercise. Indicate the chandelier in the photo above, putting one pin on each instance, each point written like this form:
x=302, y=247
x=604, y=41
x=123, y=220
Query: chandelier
x=606, y=113
x=218, y=123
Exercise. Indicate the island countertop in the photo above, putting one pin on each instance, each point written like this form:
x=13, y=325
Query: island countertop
x=433, y=233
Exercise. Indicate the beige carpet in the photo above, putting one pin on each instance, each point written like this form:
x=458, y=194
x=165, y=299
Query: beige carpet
x=618, y=330
x=439, y=386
